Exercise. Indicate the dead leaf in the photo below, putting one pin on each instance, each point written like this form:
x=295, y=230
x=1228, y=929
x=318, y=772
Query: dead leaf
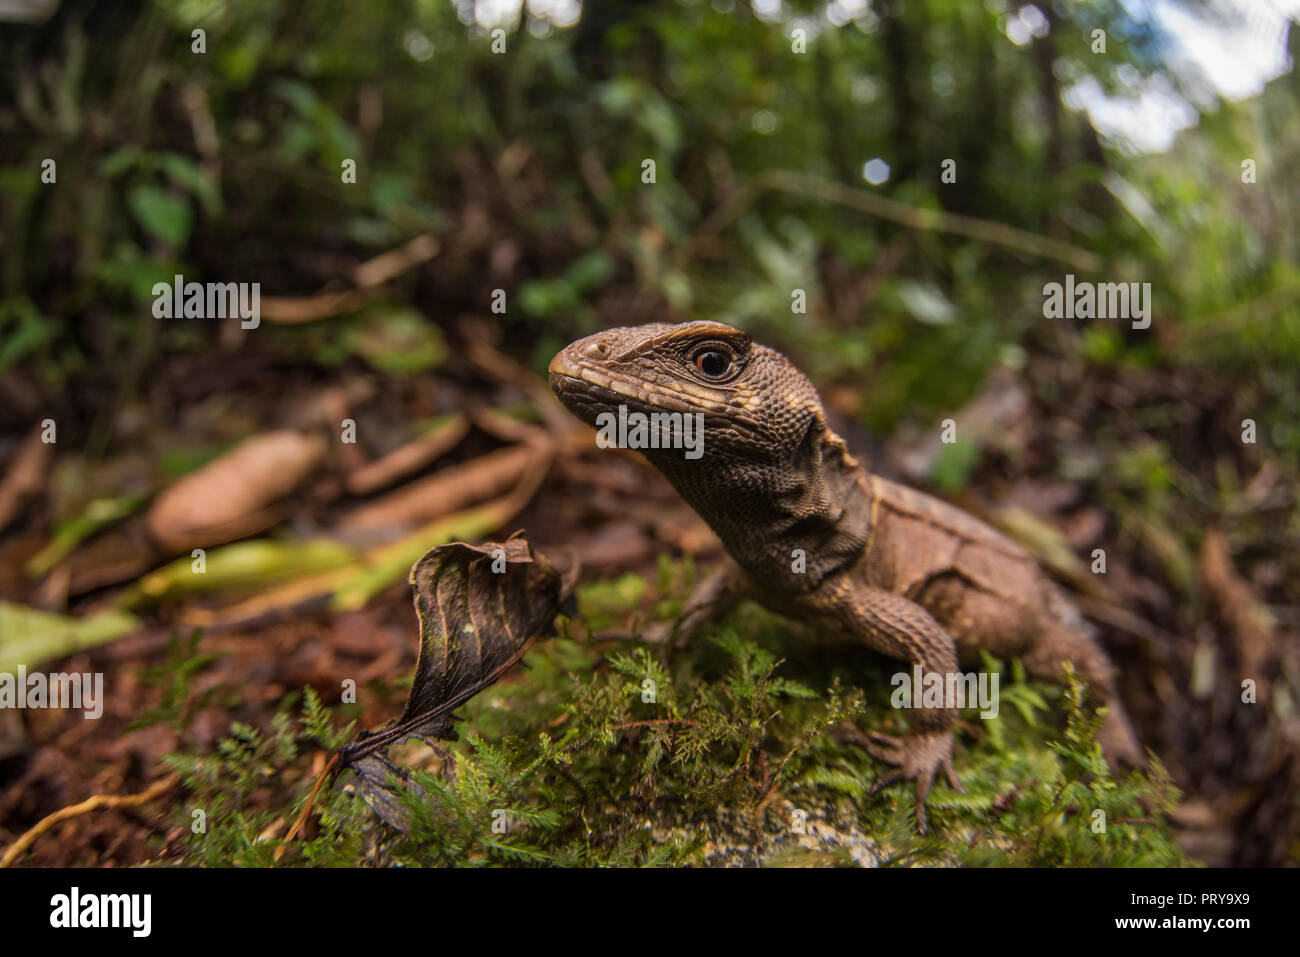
x=443, y=492
x=218, y=502
x=408, y=458
x=480, y=607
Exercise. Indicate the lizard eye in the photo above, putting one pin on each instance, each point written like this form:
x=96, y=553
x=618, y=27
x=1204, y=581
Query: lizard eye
x=714, y=363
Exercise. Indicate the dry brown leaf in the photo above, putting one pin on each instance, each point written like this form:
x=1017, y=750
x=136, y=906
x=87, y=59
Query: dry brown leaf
x=444, y=492
x=224, y=496
x=480, y=607
x=302, y=592
x=112, y=557
x=407, y=458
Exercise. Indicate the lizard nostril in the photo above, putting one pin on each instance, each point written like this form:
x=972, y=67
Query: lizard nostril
x=597, y=349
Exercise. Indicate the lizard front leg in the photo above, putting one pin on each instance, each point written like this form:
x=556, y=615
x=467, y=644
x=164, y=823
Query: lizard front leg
x=895, y=626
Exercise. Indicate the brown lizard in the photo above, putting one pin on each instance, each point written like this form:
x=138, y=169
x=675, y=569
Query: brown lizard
x=882, y=564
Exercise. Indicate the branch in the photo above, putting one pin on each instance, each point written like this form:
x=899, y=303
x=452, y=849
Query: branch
x=76, y=810
x=913, y=217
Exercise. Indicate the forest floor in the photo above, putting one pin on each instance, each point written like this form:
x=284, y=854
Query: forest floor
x=1181, y=626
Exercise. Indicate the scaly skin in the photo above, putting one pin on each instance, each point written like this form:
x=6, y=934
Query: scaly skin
x=886, y=566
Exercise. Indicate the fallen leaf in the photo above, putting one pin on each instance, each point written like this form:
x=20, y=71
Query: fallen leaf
x=30, y=637
x=243, y=565
x=96, y=516
x=408, y=458
x=480, y=607
x=443, y=492
x=202, y=508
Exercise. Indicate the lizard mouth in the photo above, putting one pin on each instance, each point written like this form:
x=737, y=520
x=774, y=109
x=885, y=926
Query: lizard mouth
x=588, y=391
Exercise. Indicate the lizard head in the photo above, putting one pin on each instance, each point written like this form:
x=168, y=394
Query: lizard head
x=768, y=475
x=755, y=404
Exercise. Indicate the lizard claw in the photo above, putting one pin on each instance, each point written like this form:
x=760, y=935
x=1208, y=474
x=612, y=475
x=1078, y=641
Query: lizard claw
x=884, y=747
x=918, y=758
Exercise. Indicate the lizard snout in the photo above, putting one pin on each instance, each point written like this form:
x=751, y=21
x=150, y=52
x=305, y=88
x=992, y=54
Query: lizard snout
x=563, y=365
x=566, y=379
x=595, y=347
x=569, y=359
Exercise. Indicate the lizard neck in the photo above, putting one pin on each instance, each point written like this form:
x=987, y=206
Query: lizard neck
x=789, y=518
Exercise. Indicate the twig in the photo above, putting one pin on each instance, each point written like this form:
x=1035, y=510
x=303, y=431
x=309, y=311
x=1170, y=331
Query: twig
x=913, y=217
x=367, y=276
x=331, y=767
x=776, y=777
x=90, y=804
x=500, y=367
x=1231, y=320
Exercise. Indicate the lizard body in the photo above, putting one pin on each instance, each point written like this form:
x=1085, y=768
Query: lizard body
x=883, y=564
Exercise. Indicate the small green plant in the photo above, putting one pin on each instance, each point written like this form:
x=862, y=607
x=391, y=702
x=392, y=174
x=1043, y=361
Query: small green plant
x=724, y=752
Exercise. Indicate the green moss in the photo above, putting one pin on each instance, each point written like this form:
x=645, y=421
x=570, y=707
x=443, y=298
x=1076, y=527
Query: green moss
x=724, y=753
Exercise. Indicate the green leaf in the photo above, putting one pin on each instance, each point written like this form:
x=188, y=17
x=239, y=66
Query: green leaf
x=23, y=330
x=184, y=172
x=31, y=637
x=97, y=515
x=161, y=214
x=119, y=161
x=398, y=341
x=243, y=565
x=954, y=464
x=926, y=302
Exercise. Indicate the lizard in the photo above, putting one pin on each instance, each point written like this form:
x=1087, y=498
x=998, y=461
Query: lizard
x=884, y=565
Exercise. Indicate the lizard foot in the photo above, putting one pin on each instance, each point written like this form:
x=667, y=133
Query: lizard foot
x=918, y=758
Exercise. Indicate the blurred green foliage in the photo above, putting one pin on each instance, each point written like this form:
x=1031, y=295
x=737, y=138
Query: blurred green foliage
x=226, y=165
